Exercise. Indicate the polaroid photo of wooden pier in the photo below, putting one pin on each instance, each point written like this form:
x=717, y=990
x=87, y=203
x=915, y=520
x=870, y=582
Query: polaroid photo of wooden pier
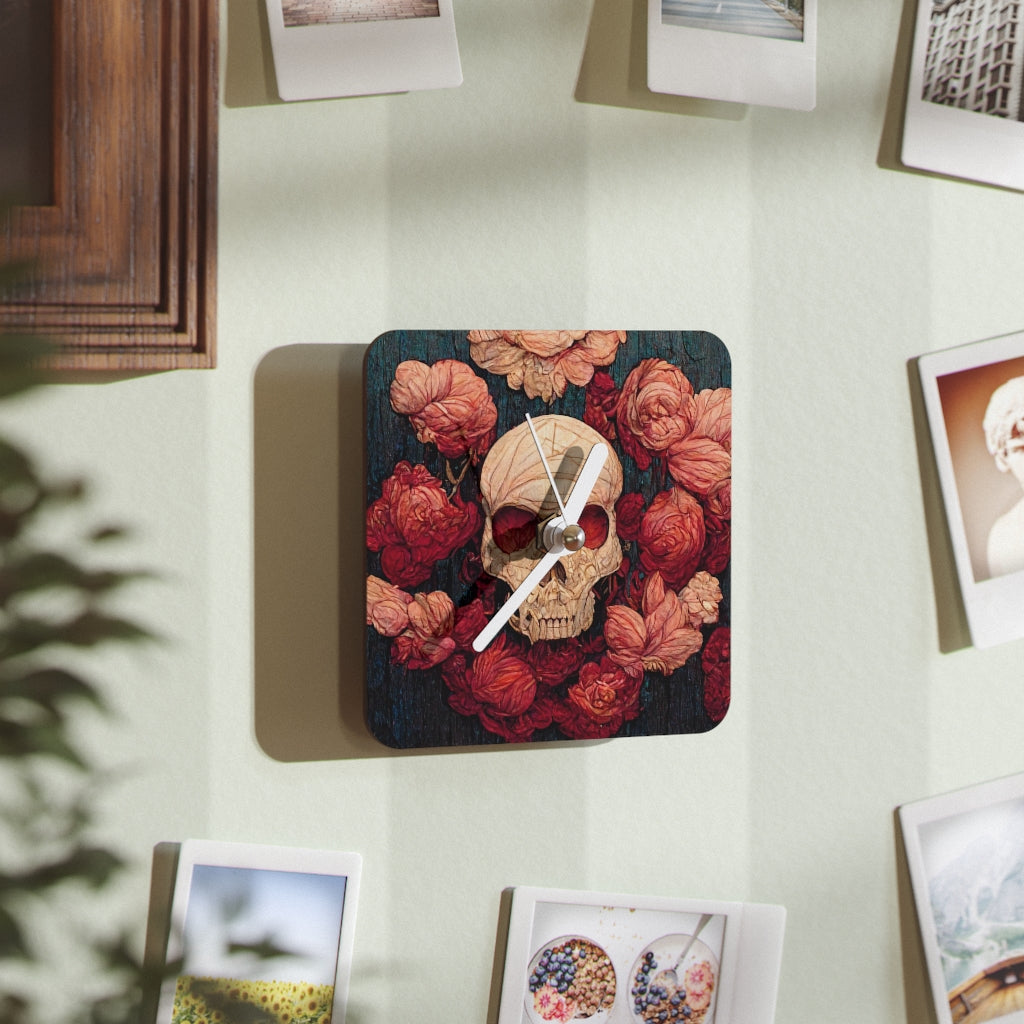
x=759, y=52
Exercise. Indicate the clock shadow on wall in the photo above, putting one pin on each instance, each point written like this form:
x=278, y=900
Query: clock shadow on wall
x=309, y=606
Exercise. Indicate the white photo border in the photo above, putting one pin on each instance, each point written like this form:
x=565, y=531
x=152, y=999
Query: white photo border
x=364, y=58
x=208, y=853
x=920, y=813
x=950, y=141
x=994, y=605
x=732, y=66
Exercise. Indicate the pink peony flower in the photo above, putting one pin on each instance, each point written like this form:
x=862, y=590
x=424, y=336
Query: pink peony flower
x=428, y=641
x=447, y=404
x=701, y=598
x=413, y=524
x=387, y=607
x=659, y=638
x=655, y=409
x=544, y=363
x=672, y=536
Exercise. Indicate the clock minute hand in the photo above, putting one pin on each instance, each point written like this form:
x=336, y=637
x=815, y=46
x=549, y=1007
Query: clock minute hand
x=573, y=507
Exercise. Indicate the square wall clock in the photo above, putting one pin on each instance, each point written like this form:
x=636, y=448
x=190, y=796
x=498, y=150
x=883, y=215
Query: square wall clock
x=547, y=535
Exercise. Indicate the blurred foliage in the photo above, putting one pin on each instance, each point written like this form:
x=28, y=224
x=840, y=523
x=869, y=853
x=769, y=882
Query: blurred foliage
x=53, y=605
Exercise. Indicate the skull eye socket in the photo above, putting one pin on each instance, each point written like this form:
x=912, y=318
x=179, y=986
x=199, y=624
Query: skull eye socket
x=594, y=521
x=513, y=528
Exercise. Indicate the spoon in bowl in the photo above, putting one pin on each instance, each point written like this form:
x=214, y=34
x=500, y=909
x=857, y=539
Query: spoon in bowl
x=668, y=976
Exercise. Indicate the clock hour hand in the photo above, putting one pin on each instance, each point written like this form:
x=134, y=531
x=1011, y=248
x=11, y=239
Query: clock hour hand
x=553, y=538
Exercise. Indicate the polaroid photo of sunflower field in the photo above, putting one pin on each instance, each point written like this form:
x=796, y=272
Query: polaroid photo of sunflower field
x=260, y=934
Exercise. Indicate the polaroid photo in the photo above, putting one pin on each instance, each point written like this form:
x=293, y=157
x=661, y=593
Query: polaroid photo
x=745, y=51
x=325, y=48
x=623, y=959
x=965, y=854
x=260, y=933
x=965, y=106
x=974, y=398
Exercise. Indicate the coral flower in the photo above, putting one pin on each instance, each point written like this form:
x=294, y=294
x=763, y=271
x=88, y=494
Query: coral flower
x=544, y=363
x=447, y=404
x=655, y=409
x=701, y=461
x=660, y=639
x=672, y=536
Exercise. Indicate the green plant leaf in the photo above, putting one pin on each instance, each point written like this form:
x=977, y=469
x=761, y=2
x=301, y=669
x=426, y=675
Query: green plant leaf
x=50, y=686
x=12, y=939
x=47, y=570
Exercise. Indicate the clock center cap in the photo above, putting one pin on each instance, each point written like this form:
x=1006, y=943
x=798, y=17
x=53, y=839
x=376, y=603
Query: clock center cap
x=573, y=537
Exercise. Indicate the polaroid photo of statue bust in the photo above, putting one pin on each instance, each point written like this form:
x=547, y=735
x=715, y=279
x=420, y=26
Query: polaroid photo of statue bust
x=745, y=51
x=328, y=48
x=974, y=396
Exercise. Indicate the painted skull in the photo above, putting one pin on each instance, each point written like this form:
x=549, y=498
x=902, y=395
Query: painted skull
x=517, y=500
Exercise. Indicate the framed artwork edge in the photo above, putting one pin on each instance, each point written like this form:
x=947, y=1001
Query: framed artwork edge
x=157, y=197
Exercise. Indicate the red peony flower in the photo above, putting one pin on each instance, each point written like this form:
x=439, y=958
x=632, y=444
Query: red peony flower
x=659, y=638
x=554, y=663
x=596, y=707
x=655, y=409
x=469, y=620
x=672, y=535
x=599, y=408
x=500, y=688
x=717, y=544
x=544, y=363
x=629, y=513
x=413, y=524
x=447, y=404
x=715, y=662
x=702, y=460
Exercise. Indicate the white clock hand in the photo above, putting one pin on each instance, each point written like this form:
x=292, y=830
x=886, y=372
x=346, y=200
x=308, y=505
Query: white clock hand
x=574, y=506
x=547, y=468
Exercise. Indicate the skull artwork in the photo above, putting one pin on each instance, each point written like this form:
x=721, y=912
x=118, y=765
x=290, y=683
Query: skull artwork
x=518, y=500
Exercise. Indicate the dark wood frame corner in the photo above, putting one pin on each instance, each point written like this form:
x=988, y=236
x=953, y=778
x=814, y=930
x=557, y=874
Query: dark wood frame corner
x=122, y=262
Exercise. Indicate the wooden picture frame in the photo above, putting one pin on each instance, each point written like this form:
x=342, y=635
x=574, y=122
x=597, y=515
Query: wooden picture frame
x=120, y=264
